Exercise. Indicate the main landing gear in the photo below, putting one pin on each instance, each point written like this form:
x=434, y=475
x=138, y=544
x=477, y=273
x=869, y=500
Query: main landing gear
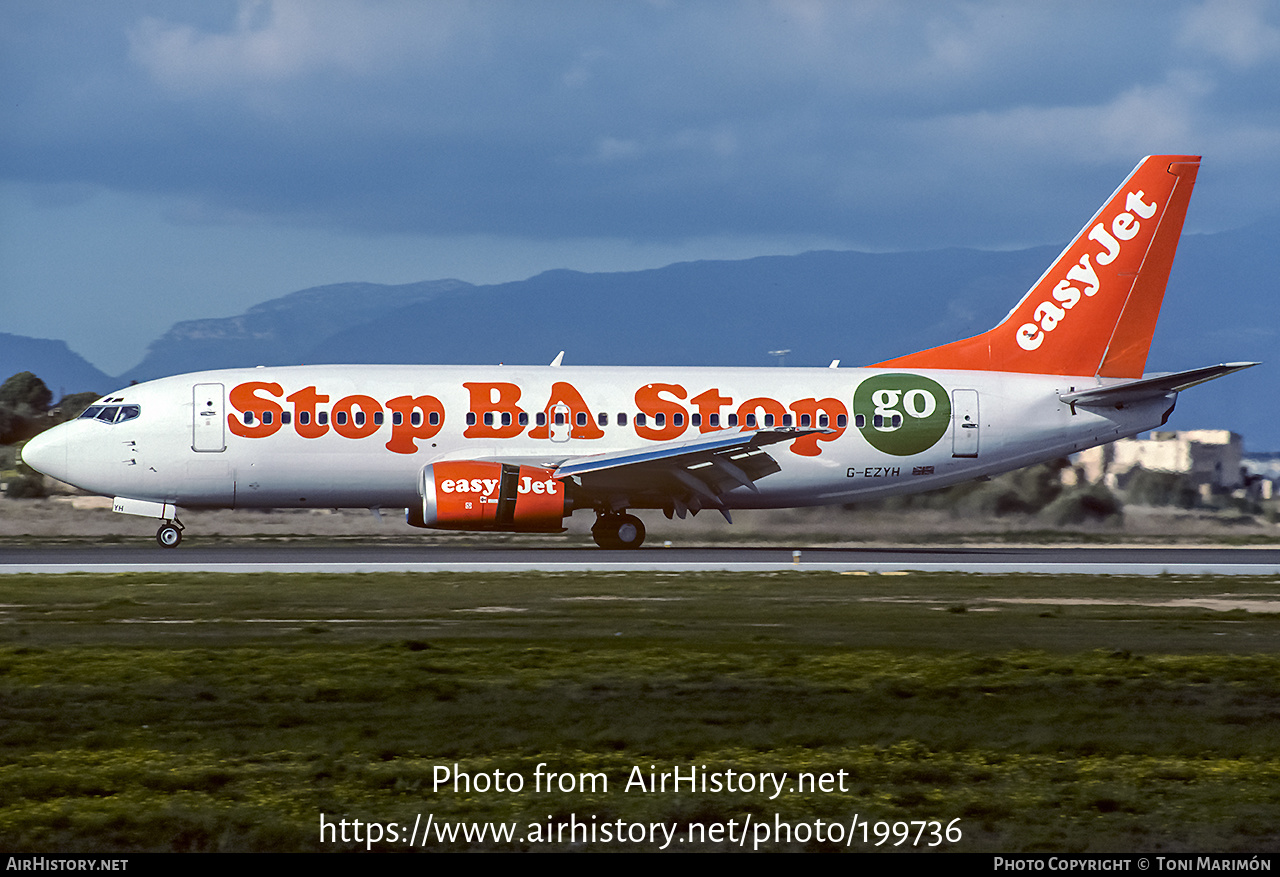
x=169, y=534
x=618, y=531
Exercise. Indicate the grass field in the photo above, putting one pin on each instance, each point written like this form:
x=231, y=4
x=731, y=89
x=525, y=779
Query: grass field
x=228, y=712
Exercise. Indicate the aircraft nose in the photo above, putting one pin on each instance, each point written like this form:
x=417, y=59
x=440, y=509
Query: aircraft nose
x=47, y=453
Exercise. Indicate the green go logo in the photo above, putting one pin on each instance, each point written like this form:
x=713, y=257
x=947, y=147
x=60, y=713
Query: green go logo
x=901, y=414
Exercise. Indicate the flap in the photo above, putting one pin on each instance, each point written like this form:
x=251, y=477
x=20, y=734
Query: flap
x=682, y=475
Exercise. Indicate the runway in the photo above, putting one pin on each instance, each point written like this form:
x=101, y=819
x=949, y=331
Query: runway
x=255, y=558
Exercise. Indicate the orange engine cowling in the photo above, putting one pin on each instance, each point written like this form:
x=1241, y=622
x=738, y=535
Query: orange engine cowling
x=473, y=495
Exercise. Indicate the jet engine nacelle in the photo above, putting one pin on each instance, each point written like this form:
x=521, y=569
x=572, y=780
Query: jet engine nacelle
x=475, y=495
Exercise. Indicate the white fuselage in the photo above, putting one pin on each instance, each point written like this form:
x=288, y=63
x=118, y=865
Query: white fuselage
x=192, y=445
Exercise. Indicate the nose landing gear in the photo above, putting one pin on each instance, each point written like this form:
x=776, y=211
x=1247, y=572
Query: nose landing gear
x=169, y=534
x=618, y=531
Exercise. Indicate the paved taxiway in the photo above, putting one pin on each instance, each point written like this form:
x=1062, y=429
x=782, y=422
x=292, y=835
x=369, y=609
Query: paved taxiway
x=383, y=558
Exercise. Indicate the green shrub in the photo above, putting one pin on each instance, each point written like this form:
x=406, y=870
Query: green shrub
x=1090, y=503
x=25, y=484
x=1148, y=488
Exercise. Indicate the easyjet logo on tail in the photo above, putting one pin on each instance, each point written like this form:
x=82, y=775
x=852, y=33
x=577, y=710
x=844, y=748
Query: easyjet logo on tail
x=1114, y=270
x=1082, y=280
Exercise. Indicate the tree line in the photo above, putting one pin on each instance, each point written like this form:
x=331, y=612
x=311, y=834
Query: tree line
x=26, y=410
x=27, y=407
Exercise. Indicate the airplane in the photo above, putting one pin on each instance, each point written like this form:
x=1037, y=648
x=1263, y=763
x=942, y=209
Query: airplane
x=521, y=448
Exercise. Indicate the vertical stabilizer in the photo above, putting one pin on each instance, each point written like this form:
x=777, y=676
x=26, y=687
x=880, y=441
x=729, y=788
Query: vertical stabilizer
x=1094, y=311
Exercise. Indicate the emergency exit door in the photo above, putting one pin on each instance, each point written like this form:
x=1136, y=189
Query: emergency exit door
x=966, y=427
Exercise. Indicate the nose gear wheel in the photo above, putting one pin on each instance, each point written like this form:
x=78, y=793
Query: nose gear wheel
x=170, y=534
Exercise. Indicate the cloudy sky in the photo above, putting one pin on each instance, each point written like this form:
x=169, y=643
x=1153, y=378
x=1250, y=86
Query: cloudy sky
x=172, y=160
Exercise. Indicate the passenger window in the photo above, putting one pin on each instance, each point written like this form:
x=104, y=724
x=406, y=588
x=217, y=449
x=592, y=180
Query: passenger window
x=415, y=418
x=804, y=420
x=677, y=419
x=733, y=420
x=602, y=419
x=713, y=419
x=488, y=418
x=823, y=420
x=322, y=418
x=506, y=418
x=304, y=417
x=582, y=418
x=622, y=419
x=559, y=418
x=639, y=420
x=377, y=418
x=340, y=418
x=542, y=418
x=286, y=417
x=751, y=419
x=435, y=418
x=786, y=420
x=659, y=419
x=471, y=418
x=267, y=418
x=248, y=418
x=523, y=419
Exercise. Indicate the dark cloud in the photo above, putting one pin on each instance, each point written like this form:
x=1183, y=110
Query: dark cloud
x=636, y=120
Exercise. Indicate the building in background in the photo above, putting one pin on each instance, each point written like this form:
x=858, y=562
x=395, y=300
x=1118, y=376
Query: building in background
x=1210, y=461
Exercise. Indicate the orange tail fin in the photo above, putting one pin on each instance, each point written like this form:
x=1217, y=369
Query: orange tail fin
x=1094, y=311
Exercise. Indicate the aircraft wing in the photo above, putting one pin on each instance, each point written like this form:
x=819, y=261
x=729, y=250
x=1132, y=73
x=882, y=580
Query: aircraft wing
x=681, y=476
x=1150, y=387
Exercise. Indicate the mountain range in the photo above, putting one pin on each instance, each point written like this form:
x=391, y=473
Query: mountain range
x=63, y=370
x=1221, y=305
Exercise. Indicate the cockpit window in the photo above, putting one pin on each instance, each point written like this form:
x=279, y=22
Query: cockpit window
x=111, y=413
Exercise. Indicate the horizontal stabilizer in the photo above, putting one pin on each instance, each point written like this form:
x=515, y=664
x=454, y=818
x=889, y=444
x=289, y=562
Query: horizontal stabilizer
x=1151, y=387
